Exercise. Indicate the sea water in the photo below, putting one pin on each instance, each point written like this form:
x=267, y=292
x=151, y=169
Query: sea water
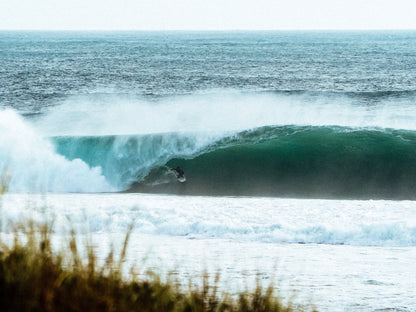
x=298, y=148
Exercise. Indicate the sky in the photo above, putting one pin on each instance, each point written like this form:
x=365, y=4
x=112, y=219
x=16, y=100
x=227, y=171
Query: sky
x=206, y=14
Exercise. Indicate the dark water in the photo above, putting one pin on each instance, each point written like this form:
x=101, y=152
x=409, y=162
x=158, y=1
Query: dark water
x=41, y=69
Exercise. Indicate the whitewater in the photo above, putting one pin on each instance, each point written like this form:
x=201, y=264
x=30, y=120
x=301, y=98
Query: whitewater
x=338, y=255
x=298, y=148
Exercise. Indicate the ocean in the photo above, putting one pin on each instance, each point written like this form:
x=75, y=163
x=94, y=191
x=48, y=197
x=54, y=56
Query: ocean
x=298, y=149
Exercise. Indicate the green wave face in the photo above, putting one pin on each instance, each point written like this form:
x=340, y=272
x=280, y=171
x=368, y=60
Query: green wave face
x=289, y=161
x=306, y=162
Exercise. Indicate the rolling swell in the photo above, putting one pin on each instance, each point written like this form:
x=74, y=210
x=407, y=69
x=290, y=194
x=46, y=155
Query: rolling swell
x=322, y=162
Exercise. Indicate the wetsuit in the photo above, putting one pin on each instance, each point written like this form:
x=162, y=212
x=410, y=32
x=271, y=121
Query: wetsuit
x=179, y=172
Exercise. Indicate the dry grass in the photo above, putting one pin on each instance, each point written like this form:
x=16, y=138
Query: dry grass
x=35, y=278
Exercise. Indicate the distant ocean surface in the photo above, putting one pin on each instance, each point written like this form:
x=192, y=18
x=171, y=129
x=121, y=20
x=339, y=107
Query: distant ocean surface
x=296, y=143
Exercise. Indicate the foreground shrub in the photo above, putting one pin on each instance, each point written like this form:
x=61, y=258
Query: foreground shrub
x=35, y=278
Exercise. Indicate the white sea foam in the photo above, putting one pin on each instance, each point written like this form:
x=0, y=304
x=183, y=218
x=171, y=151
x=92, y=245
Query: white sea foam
x=33, y=165
x=265, y=220
x=251, y=238
x=218, y=111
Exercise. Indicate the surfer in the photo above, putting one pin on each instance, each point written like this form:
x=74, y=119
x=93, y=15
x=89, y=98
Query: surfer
x=179, y=172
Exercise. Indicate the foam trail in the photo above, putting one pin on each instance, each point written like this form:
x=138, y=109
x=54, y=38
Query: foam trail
x=35, y=166
x=218, y=112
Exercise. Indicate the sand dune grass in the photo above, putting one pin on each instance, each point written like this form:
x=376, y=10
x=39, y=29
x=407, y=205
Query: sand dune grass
x=34, y=277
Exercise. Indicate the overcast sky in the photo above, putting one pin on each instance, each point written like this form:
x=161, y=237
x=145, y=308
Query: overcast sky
x=206, y=14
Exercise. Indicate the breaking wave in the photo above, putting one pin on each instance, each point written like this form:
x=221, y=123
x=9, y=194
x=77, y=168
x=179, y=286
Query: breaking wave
x=229, y=143
x=297, y=161
x=33, y=164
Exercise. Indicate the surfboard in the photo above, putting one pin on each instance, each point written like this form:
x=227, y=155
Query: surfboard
x=182, y=179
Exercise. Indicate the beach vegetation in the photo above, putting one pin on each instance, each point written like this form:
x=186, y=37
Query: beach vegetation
x=36, y=277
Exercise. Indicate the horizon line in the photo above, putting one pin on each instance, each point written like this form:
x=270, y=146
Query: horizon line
x=210, y=30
